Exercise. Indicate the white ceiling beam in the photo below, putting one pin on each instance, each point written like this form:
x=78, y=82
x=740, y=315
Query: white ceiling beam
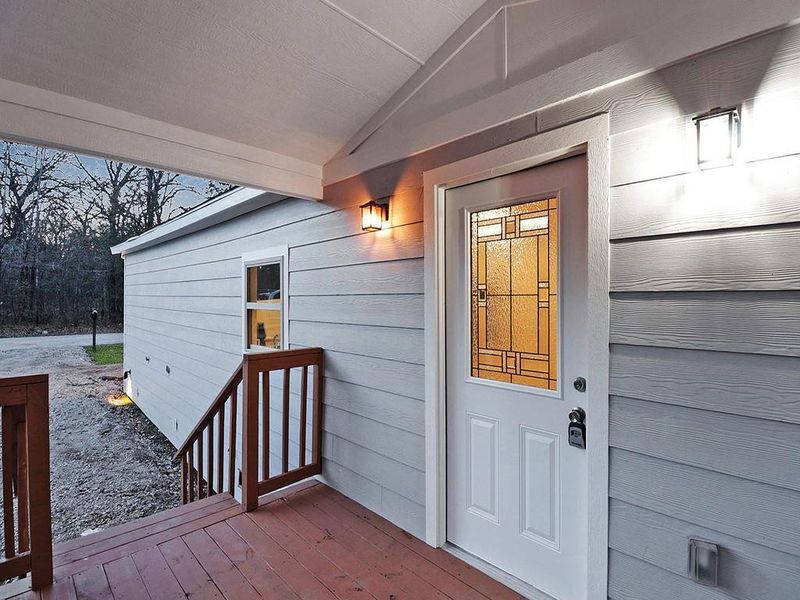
x=438, y=60
x=356, y=21
x=33, y=115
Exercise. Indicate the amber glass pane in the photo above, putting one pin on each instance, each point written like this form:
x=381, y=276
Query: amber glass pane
x=514, y=287
x=264, y=329
x=264, y=284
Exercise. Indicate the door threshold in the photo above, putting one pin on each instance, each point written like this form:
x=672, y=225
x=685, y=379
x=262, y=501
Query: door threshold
x=498, y=574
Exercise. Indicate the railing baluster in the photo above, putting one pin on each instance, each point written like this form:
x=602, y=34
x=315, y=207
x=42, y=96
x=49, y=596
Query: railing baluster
x=221, y=448
x=285, y=437
x=191, y=472
x=316, y=419
x=184, y=474
x=232, y=443
x=303, y=416
x=210, y=481
x=22, y=486
x=200, y=466
x=265, y=437
x=9, y=469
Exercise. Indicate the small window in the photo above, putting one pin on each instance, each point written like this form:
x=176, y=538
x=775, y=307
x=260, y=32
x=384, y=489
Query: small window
x=264, y=315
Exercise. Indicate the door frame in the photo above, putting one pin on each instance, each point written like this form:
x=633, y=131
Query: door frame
x=590, y=137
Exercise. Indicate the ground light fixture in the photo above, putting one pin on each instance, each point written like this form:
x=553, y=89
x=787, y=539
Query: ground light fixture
x=121, y=399
x=375, y=215
x=717, y=137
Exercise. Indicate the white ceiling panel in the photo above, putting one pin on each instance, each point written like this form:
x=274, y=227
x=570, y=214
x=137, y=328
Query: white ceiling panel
x=417, y=26
x=297, y=77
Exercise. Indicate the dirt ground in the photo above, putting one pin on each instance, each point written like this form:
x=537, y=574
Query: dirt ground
x=109, y=465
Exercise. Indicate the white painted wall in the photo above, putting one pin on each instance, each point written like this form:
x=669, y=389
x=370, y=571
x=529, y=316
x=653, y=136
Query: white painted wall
x=358, y=295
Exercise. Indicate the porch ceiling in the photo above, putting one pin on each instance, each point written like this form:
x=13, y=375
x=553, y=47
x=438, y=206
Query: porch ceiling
x=282, y=83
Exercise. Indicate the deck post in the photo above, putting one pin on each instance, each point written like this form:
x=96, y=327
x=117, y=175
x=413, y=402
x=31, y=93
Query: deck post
x=38, y=447
x=249, y=436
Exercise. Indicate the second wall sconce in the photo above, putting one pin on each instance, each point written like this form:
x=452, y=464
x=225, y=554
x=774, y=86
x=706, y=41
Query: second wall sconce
x=375, y=215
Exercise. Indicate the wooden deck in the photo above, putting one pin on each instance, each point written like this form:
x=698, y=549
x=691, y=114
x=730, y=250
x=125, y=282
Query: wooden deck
x=305, y=542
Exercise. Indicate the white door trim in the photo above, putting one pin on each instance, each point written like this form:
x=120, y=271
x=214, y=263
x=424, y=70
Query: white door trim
x=592, y=137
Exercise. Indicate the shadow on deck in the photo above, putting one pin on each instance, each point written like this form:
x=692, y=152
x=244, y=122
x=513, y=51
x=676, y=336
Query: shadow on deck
x=307, y=541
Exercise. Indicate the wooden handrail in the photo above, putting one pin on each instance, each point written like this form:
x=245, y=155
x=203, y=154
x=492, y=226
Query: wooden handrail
x=26, y=476
x=202, y=455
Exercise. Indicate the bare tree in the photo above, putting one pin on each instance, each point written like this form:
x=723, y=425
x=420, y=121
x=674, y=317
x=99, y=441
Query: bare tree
x=60, y=214
x=157, y=192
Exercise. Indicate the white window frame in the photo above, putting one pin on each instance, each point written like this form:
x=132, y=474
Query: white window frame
x=268, y=256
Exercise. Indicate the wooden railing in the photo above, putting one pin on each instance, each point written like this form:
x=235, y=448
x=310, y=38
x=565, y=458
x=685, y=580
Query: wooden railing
x=28, y=542
x=203, y=476
x=266, y=392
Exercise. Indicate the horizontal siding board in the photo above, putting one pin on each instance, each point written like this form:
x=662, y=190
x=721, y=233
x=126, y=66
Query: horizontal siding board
x=404, y=379
x=219, y=323
x=396, y=277
x=406, y=513
x=262, y=230
x=406, y=345
x=632, y=579
x=763, y=65
x=280, y=214
x=227, y=359
x=760, y=193
x=402, y=412
x=755, y=449
x=736, y=322
x=747, y=571
x=752, y=259
x=195, y=304
x=215, y=340
x=361, y=489
x=137, y=349
x=766, y=387
x=753, y=511
x=405, y=481
x=403, y=512
x=213, y=269
x=392, y=243
x=402, y=446
x=230, y=287
x=400, y=310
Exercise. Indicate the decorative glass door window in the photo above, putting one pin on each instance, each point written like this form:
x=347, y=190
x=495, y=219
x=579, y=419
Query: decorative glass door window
x=514, y=294
x=264, y=307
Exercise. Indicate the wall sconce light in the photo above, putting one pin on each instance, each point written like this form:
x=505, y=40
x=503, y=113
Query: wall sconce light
x=717, y=137
x=375, y=215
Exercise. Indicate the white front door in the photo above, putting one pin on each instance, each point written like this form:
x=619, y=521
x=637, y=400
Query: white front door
x=516, y=319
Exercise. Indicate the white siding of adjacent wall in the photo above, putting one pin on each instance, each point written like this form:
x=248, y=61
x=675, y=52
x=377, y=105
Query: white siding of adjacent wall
x=358, y=295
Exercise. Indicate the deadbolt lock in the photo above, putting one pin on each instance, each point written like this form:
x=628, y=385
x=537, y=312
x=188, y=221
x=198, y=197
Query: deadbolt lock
x=580, y=384
x=576, y=431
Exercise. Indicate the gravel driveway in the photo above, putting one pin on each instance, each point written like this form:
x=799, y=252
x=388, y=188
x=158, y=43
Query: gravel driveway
x=109, y=465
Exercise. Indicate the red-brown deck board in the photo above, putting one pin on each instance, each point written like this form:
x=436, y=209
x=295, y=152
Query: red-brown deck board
x=308, y=542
